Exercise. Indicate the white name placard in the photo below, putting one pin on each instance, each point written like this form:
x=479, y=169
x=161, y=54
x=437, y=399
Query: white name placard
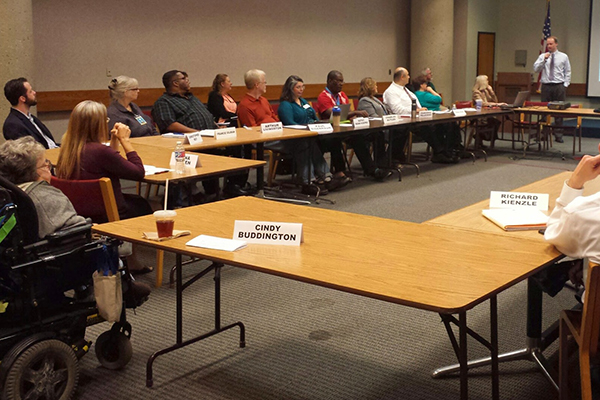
x=263, y=232
x=391, y=119
x=459, y=113
x=225, y=133
x=208, y=132
x=193, y=138
x=360, y=123
x=190, y=161
x=320, y=128
x=271, y=127
x=426, y=114
x=519, y=200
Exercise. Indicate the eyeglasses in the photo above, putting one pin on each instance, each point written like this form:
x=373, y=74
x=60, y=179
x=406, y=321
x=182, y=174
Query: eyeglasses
x=47, y=164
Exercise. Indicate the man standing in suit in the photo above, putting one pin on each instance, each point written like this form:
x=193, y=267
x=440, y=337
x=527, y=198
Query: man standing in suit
x=20, y=122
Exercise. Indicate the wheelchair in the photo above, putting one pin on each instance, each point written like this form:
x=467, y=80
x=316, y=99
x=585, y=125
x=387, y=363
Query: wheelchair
x=45, y=303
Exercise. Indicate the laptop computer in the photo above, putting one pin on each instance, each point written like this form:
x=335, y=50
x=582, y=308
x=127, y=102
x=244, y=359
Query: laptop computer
x=345, y=111
x=519, y=101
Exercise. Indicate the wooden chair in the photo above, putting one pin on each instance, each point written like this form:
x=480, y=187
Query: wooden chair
x=584, y=327
x=548, y=128
x=95, y=199
x=530, y=124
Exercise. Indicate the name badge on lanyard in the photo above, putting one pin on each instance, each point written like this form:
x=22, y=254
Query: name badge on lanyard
x=140, y=119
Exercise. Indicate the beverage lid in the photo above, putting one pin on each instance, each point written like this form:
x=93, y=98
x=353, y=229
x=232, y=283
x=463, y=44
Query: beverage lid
x=165, y=214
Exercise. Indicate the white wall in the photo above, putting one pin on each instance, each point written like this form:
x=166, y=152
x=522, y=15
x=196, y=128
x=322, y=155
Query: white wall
x=76, y=41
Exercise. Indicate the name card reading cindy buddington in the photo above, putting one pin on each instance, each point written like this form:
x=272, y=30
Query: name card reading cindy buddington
x=271, y=127
x=263, y=232
x=519, y=200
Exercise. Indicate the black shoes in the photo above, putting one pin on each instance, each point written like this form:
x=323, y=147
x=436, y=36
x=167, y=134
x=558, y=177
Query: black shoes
x=442, y=158
x=559, y=140
x=232, y=190
x=380, y=174
x=337, y=182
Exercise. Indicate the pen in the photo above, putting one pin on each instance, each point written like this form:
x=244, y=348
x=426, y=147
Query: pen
x=162, y=172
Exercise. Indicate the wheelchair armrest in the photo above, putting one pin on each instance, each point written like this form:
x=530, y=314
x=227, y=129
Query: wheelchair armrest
x=67, y=233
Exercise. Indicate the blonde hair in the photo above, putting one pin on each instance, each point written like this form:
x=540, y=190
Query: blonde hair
x=252, y=77
x=87, y=124
x=367, y=87
x=119, y=85
x=480, y=82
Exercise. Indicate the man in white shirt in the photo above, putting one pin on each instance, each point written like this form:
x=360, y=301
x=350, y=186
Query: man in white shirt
x=399, y=99
x=20, y=122
x=556, y=76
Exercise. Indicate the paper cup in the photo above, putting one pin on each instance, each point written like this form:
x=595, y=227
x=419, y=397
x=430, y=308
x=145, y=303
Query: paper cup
x=165, y=219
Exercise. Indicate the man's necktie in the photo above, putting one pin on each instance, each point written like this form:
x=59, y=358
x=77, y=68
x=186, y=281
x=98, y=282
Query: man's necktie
x=551, y=73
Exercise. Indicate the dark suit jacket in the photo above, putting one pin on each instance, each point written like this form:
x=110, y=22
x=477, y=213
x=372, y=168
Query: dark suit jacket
x=17, y=125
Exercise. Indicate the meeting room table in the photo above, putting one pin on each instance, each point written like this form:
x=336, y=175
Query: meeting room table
x=442, y=269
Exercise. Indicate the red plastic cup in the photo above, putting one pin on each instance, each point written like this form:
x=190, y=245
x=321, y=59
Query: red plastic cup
x=165, y=220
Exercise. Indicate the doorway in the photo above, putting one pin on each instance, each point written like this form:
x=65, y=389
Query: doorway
x=486, y=50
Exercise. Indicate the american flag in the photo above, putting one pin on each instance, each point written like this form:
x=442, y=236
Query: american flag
x=545, y=35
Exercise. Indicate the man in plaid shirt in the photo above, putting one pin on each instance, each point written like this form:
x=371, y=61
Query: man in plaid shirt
x=178, y=110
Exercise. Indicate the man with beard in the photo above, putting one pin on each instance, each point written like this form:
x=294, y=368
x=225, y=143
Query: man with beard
x=20, y=122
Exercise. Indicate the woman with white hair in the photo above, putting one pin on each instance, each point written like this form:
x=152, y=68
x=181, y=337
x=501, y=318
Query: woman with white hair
x=23, y=162
x=123, y=92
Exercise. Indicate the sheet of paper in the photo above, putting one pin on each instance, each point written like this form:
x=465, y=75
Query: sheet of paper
x=216, y=243
x=152, y=170
x=295, y=126
x=347, y=125
x=173, y=135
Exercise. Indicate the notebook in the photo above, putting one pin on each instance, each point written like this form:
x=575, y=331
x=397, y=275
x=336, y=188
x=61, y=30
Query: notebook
x=517, y=219
x=519, y=101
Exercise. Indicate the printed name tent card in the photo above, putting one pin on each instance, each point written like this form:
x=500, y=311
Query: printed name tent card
x=518, y=200
x=360, y=123
x=263, y=232
x=225, y=133
x=192, y=138
x=391, y=119
x=271, y=127
x=513, y=211
x=321, y=128
x=190, y=161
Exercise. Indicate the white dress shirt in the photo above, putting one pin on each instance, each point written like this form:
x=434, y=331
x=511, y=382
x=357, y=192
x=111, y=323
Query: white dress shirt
x=562, y=68
x=574, y=225
x=399, y=99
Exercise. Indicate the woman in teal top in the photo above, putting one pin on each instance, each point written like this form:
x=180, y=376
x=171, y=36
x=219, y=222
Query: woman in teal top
x=428, y=97
x=294, y=110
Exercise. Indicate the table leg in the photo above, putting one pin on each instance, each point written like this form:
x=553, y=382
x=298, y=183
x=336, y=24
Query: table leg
x=179, y=343
x=537, y=341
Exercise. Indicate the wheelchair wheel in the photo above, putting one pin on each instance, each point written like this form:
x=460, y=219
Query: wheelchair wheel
x=113, y=349
x=46, y=370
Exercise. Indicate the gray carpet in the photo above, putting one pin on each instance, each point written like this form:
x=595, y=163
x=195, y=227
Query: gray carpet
x=308, y=342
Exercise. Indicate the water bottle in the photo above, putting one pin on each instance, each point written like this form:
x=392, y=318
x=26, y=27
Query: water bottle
x=336, y=114
x=413, y=109
x=179, y=158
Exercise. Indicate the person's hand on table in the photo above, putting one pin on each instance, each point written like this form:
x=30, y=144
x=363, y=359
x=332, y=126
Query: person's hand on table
x=587, y=169
x=358, y=113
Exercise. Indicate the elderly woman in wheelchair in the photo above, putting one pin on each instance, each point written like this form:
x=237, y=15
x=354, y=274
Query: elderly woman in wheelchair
x=47, y=252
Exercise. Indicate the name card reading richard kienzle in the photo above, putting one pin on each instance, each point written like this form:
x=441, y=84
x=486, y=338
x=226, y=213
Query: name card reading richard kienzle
x=262, y=232
x=519, y=200
x=391, y=119
x=271, y=127
x=225, y=133
x=193, y=138
x=360, y=123
x=320, y=128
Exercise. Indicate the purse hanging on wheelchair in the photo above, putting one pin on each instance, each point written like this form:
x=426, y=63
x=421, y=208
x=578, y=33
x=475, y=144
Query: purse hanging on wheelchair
x=107, y=285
